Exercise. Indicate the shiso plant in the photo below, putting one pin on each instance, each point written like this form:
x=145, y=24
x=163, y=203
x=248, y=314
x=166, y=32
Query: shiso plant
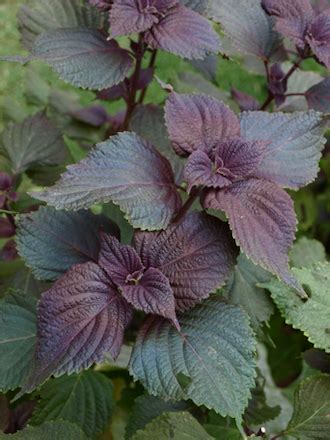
x=152, y=286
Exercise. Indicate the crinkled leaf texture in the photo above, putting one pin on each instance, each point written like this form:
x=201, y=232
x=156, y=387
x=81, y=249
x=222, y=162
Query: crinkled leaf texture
x=211, y=361
x=318, y=96
x=198, y=122
x=184, y=33
x=175, y=426
x=17, y=339
x=262, y=218
x=80, y=319
x=52, y=241
x=294, y=145
x=35, y=141
x=310, y=418
x=242, y=290
x=146, y=289
x=310, y=316
x=42, y=16
x=74, y=52
x=196, y=256
x=306, y=252
x=50, y=431
x=247, y=25
x=85, y=399
x=318, y=38
x=126, y=170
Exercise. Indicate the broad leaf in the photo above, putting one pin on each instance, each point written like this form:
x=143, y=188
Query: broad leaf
x=42, y=16
x=310, y=420
x=127, y=171
x=242, y=290
x=196, y=256
x=176, y=426
x=263, y=222
x=85, y=399
x=81, y=309
x=318, y=38
x=310, y=316
x=113, y=212
x=185, y=33
x=318, y=96
x=208, y=66
x=146, y=408
x=295, y=142
x=50, y=431
x=35, y=141
x=198, y=121
x=17, y=339
x=210, y=361
x=247, y=25
x=51, y=241
x=73, y=53
x=306, y=252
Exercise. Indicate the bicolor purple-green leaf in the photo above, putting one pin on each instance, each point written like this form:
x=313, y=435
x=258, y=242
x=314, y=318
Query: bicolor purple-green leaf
x=210, y=361
x=196, y=256
x=80, y=320
x=126, y=170
x=185, y=33
x=291, y=18
x=35, y=141
x=262, y=218
x=247, y=26
x=18, y=330
x=51, y=241
x=42, y=16
x=294, y=145
x=198, y=122
x=73, y=53
x=318, y=96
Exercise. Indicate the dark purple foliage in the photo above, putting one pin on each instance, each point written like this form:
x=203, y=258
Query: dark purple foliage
x=308, y=28
x=244, y=101
x=103, y=5
x=94, y=115
x=260, y=213
x=166, y=25
x=318, y=96
x=277, y=83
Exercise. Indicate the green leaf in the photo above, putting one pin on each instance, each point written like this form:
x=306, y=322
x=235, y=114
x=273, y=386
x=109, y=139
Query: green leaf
x=222, y=428
x=258, y=410
x=143, y=186
x=211, y=361
x=174, y=426
x=242, y=290
x=42, y=15
x=52, y=241
x=50, y=431
x=73, y=53
x=85, y=399
x=310, y=316
x=117, y=216
x=17, y=339
x=35, y=141
x=146, y=408
x=305, y=252
x=310, y=420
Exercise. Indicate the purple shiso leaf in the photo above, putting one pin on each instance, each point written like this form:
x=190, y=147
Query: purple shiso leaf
x=94, y=115
x=318, y=96
x=118, y=260
x=198, y=122
x=294, y=145
x=245, y=101
x=196, y=256
x=80, y=319
x=320, y=6
x=126, y=170
x=152, y=294
x=200, y=171
x=318, y=38
x=184, y=33
x=292, y=18
x=261, y=216
x=277, y=83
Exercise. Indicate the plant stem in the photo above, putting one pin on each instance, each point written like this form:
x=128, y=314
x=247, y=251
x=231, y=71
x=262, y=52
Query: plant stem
x=295, y=94
x=151, y=65
x=186, y=206
x=131, y=102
